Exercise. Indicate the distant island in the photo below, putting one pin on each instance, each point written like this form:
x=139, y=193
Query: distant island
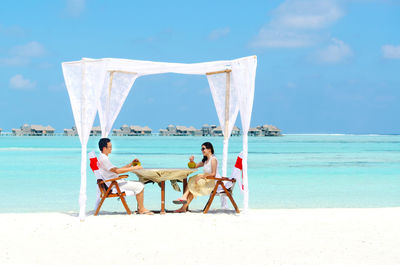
x=135, y=130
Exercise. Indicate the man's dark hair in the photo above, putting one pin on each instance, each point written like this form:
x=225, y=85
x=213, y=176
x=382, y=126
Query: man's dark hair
x=103, y=143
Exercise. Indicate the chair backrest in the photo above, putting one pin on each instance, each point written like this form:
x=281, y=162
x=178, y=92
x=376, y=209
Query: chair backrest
x=236, y=176
x=237, y=172
x=94, y=165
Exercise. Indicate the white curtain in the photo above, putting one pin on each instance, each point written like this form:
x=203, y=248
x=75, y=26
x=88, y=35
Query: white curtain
x=83, y=81
x=244, y=79
x=116, y=88
x=218, y=86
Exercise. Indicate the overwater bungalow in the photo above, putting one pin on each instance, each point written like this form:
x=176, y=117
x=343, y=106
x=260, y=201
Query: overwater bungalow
x=139, y=131
x=218, y=131
x=269, y=130
x=254, y=132
x=71, y=132
x=34, y=130
x=235, y=131
x=194, y=132
x=179, y=130
x=95, y=131
x=170, y=131
x=207, y=129
x=132, y=130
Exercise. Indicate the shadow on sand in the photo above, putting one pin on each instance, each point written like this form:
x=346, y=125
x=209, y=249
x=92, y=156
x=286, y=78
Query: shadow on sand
x=213, y=212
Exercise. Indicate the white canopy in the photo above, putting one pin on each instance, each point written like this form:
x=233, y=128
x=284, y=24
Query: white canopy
x=103, y=84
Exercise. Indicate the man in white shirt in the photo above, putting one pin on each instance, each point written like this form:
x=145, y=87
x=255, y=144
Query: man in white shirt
x=109, y=171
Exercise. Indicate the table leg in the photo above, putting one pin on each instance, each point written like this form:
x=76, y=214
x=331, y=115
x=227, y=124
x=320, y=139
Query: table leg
x=184, y=189
x=162, y=197
x=184, y=185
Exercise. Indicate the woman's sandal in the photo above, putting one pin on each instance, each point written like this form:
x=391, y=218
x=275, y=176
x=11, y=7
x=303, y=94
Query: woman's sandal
x=180, y=211
x=179, y=201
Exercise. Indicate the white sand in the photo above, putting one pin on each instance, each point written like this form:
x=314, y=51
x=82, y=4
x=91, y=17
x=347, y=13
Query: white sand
x=299, y=236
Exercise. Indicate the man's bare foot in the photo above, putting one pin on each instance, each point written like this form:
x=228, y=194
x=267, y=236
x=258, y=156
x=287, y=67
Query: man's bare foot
x=145, y=211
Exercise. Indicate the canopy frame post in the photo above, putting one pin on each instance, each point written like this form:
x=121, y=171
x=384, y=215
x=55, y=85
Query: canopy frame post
x=226, y=127
x=82, y=192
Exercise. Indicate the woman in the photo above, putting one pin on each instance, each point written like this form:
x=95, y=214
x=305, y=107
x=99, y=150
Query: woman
x=199, y=185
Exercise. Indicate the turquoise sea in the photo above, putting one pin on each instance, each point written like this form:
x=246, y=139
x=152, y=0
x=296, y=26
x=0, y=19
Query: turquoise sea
x=42, y=174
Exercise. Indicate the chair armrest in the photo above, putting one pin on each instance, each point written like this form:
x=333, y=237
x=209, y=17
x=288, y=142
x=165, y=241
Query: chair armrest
x=114, y=179
x=222, y=178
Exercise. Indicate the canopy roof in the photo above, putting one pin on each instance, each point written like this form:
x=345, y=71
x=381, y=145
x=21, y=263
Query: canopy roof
x=102, y=85
x=148, y=67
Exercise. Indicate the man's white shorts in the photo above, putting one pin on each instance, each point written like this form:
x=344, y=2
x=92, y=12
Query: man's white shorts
x=131, y=187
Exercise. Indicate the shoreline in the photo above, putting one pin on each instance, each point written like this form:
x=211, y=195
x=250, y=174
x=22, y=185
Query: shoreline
x=214, y=209
x=334, y=236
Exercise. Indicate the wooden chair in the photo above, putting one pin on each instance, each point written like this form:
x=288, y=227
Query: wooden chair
x=106, y=192
x=225, y=192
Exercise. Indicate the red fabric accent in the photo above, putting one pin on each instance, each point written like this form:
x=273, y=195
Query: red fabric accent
x=94, y=164
x=239, y=163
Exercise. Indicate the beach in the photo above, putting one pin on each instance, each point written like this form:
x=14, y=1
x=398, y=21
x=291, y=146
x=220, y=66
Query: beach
x=368, y=236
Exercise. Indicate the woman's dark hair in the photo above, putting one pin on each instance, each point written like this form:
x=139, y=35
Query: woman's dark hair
x=103, y=143
x=208, y=145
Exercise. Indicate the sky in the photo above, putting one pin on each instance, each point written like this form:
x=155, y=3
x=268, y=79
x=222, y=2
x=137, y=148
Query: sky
x=324, y=66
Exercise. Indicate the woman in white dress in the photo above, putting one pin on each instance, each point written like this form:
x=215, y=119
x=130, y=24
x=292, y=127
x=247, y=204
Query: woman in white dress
x=199, y=185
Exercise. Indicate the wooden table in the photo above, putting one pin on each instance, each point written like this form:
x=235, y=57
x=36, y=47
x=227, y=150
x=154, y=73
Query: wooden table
x=160, y=175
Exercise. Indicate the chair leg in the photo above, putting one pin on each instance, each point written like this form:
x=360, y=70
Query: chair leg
x=211, y=198
x=98, y=207
x=128, y=211
x=208, y=202
x=230, y=198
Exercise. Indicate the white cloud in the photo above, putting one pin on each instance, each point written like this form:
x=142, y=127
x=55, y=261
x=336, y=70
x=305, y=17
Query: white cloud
x=219, y=33
x=14, y=61
x=336, y=52
x=12, y=31
x=275, y=38
x=31, y=49
x=297, y=23
x=306, y=14
x=391, y=51
x=22, y=54
x=75, y=7
x=20, y=83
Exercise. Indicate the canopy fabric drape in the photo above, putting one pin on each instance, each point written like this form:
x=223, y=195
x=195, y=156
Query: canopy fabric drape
x=115, y=90
x=245, y=80
x=103, y=84
x=226, y=101
x=83, y=82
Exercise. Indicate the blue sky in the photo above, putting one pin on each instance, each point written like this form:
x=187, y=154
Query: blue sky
x=323, y=66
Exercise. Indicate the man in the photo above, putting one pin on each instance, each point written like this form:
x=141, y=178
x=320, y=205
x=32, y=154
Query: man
x=109, y=171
